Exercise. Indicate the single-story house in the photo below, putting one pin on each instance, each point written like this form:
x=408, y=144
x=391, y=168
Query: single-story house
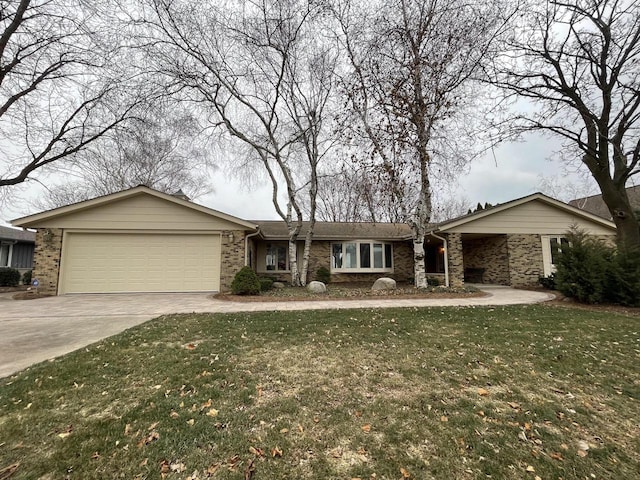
x=16, y=248
x=142, y=240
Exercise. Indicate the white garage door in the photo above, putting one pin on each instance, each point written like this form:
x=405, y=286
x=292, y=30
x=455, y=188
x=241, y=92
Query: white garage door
x=135, y=262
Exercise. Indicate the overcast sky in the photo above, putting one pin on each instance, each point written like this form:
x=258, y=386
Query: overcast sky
x=511, y=171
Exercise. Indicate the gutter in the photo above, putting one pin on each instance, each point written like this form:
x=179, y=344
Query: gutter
x=246, y=245
x=446, y=257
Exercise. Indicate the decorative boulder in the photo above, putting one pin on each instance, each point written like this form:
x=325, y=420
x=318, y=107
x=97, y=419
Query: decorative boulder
x=317, y=287
x=384, y=283
x=277, y=285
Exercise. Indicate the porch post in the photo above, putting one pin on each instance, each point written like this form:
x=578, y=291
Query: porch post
x=455, y=259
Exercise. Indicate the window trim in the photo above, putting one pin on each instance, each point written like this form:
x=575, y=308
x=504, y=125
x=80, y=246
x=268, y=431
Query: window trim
x=286, y=257
x=548, y=267
x=358, y=268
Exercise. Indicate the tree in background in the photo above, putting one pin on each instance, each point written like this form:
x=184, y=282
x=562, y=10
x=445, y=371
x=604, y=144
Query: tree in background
x=410, y=88
x=579, y=64
x=261, y=72
x=62, y=84
x=164, y=150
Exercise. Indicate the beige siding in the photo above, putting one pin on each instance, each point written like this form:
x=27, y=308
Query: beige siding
x=141, y=212
x=532, y=217
x=127, y=262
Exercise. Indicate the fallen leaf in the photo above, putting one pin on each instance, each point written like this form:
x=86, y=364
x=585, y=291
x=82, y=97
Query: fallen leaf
x=212, y=412
x=174, y=414
x=276, y=452
x=404, y=473
x=249, y=471
x=152, y=426
x=284, y=430
x=191, y=421
x=530, y=469
x=213, y=468
x=258, y=452
x=366, y=428
x=514, y=405
x=582, y=453
x=537, y=478
x=336, y=452
x=152, y=437
x=144, y=462
x=177, y=467
x=556, y=456
x=300, y=428
x=164, y=467
x=316, y=420
x=444, y=418
x=95, y=456
x=64, y=434
x=9, y=470
x=483, y=392
x=127, y=429
x=206, y=404
x=191, y=346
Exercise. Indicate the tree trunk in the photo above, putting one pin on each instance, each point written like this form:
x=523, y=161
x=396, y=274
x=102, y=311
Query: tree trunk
x=305, y=257
x=419, y=267
x=617, y=201
x=293, y=261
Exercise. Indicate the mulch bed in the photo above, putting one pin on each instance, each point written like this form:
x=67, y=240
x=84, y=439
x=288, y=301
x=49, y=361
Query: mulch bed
x=30, y=295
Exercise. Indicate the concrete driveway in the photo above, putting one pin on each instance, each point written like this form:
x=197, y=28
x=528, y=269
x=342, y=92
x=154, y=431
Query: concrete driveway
x=36, y=330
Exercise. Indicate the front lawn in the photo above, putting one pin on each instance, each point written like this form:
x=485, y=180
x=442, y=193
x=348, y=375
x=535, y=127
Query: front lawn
x=534, y=392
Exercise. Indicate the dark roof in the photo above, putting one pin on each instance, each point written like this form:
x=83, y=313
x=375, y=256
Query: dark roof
x=8, y=233
x=277, y=229
x=595, y=204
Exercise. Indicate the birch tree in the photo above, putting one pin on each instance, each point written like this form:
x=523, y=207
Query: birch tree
x=261, y=73
x=578, y=63
x=413, y=63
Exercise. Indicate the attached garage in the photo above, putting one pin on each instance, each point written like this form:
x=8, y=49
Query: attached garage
x=138, y=240
x=139, y=262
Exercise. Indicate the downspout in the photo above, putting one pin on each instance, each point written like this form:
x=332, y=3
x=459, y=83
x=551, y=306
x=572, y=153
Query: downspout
x=446, y=258
x=246, y=245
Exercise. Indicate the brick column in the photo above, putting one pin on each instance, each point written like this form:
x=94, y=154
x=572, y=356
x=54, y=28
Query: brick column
x=232, y=256
x=455, y=259
x=46, y=259
x=525, y=259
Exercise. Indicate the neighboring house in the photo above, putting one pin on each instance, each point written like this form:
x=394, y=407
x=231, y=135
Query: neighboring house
x=595, y=204
x=142, y=240
x=16, y=248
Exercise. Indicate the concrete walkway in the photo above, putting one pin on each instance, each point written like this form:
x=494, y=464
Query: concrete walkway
x=36, y=330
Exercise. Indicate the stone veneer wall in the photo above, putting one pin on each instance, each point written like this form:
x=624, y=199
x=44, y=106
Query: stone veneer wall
x=46, y=260
x=491, y=254
x=525, y=259
x=232, y=257
x=455, y=258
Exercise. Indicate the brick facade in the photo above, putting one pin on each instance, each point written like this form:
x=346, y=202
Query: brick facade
x=455, y=258
x=525, y=259
x=46, y=260
x=232, y=245
x=491, y=254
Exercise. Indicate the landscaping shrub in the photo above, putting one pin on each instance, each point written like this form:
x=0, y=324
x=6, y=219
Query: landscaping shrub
x=9, y=277
x=266, y=283
x=323, y=275
x=434, y=281
x=592, y=272
x=245, y=282
x=26, y=277
x=548, y=282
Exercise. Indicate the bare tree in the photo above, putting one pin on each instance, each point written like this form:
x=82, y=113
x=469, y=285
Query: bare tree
x=260, y=71
x=412, y=63
x=58, y=90
x=579, y=63
x=164, y=150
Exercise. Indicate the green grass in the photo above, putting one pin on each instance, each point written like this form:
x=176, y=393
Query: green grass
x=467, y=393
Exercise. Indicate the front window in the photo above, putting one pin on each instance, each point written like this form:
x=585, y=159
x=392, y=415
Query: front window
x=362, y=256
x=5, y=254
x=276, y=259
x=557, y=244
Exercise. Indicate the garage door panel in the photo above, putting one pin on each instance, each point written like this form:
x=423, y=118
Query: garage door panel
x=135, y=262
